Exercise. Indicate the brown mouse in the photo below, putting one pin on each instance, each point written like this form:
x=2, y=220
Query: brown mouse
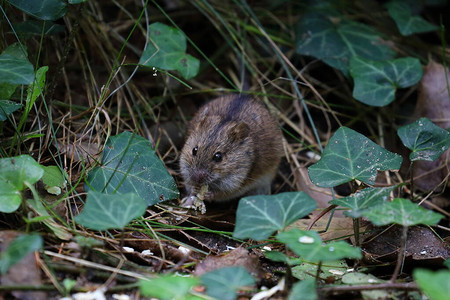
x=233, y=148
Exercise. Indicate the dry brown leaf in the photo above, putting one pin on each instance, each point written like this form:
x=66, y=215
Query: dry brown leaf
x=422, y=246
x=238, y=257
x=434, y=103
x=339, y=227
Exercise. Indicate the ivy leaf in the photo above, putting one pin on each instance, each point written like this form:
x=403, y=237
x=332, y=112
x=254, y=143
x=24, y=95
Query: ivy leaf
x=36, y=88
x=129, y=164
x=269, y=213
x=15, y=173
x=18, y=249
x=349, y=155
x=403, y=212
x=169, y=287
x=167, y=50
x=305, y=290
x=434, y=284
x=334, y=40
x=406, y=22
x=361, y=201
x=44, y=9
x=309, y=246
x=426, y=140
x=377, y=81
x=8, y=107
x=223, y=283
x=38, y=27
x=102, y=211
x=15, y=67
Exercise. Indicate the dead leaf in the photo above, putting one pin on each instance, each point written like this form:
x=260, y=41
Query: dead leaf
x=238, y=257
x=434, y=103
x=25, y=272
x=422, y=246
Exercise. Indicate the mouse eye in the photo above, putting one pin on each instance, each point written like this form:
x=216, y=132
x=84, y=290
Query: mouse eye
x=194, y=151
x=217, y=157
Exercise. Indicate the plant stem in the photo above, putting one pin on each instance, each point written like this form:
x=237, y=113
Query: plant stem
x=319, y=266
x=356, y=231
x=401, y=254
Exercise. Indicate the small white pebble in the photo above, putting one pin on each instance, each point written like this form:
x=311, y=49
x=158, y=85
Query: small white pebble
x=313, y=155
x=128, y=249
x=147, y=252
x=184, y=250
x=371, y=280
x=350, y=270
x=306, y=240
x=266, y=248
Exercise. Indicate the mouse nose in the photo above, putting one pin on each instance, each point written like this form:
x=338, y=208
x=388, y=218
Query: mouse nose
x=199, y=175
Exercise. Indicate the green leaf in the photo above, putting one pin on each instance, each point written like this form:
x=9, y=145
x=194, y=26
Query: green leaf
x=167, y=50
x=102, y=211
x=43, y=9
x=14, y=173
x=377, y=81
x=305, y=290
x=18, y=249
x=6, y=90
x=53, y=176
x=257, y=217
x=334, y=40
x=349, y=155
x=224, y=282
x=129, y=164
x=309, y=246
x=407, y=23
x=361, y=201
x=434, y=284
x=15, y=67
x=8, y=107
x=332, y=269
x=356, y=278
x=426, y=140
x=403, y=212
x=77, y=1
x=36, y=88
x=168, y=287
x=38, y=27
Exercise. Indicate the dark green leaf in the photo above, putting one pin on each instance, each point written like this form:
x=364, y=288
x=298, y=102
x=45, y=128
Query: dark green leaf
x=14, y=172
x=38, y=27
x=305, y=290
x=223, y=283
x=43, y=9
x=6, y=90
x=18, y=249
x=335, y=40
x=257, y=217
x=350, y=155
x=168, y=287
x=15, y=67
x=403, y=212
x=359, y=202
x=407, y=23
x=8, y=107
x=167, y=50
x=102, y=211
x=309, y=246
x=377, y=81
x=129, y=164
x=426, y=140
x=434, y=284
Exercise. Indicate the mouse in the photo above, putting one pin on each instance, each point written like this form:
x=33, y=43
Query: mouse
x=233, y=148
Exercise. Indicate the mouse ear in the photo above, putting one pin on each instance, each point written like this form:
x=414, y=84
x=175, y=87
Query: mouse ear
x=239, y=131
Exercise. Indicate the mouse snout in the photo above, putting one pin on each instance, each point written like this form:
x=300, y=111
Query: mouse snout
x=199, y=175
